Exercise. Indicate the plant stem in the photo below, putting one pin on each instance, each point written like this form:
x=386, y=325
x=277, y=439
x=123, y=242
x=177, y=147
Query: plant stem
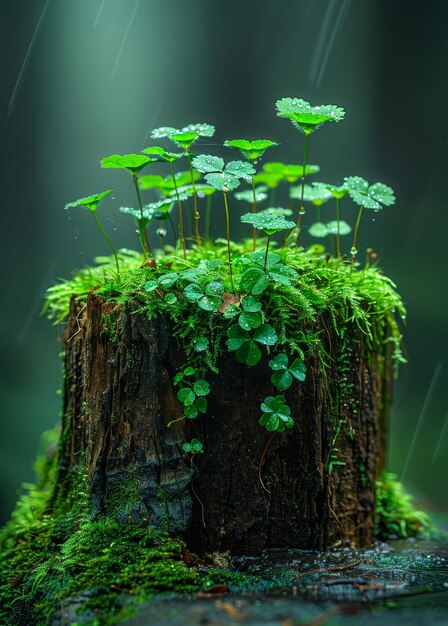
x=108, y=241
x=208, y=211
x=144, y=234
x=338, y=218
x=254, y=210
x=228, y=239
x=355, y=234
x=195, y=201
x=267, y=252
x=301, y=211
x=181, y=220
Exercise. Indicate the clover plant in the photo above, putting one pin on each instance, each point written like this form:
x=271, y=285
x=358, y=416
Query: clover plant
x=255, y=308
x=307, y=119
x=91, y=204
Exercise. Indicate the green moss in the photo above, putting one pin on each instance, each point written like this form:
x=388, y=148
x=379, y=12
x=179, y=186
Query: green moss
x=396, y=515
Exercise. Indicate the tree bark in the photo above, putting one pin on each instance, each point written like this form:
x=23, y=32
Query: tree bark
x=315, y=487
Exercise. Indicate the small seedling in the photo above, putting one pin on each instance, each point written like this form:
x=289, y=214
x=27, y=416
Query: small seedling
x=276, y=414
x=194, y=447
x=252, y=150
x=268, y=223
x=91, y=204
x=368, y=196
x=133, y=163
x=307, y=119
x=185, y=138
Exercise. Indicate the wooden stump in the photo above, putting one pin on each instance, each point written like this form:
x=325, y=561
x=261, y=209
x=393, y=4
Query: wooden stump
x=316, y=485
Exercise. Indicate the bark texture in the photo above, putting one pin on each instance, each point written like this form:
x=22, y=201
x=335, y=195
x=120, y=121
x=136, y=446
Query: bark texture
x=317, y=480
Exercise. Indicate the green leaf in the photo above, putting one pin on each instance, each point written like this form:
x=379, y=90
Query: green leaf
x=310, y=194
x=251, y=149
x=279, y=362
x=90, y=202
x=266, y=335
x=337, y=191
x=236, y=337
x=132, y=162
x=196, y=445
x=152, y=180
x=308, y=118
x=248, y=195
x=259, y=257
x=222, y=182
x=184, y=139
x=253, y=281
x=162, y=154
x=186, y=447
x=283, y=274
x=167, y=280
x=249, y=353
x=247, y=321
x=277, y=211
x=290, y=172
x=344, y=228
x=282, y=380
x=201, y=387
x=270, y=224
x=186, y=396
x=240, y=169
x=318, y=229
x=272, y=180
x=206, y=163
x=210, y=303
x=200, y=344
x=170, y=298
x=201, y=404
x=276, y=414
x=201, y=130
x=371, y=197
x=251, y=304
x=163, y=131
x=191, y=412
x=298, y=369
x=193, y=292
x=214, y=288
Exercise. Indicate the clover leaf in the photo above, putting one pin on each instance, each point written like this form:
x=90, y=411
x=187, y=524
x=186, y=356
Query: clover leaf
x=344, y=228
x=270, y=179
x=207, y=163
x=284, y=373
x=162, y=154
x=248, y=194
x=251, y=149
x=318, y=229
x=369, y=196
x=315, y=195
x=194, y=447
x=269, y=223
x=290, y=172
x=90, y=202
x=277, y=211
x=185, y=136
x=337, y=191
x=308, y=118
x=277, y=414
x=254, y=281
x=208, y=298
x=131, y=162
x=245, y=344
x=223, y=178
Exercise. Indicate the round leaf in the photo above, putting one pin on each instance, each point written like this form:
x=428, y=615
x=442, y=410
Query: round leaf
x=201, y=387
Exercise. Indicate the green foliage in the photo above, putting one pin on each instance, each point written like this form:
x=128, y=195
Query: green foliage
x=90, y=202
x=220, y=176
x=251, y=149
x=246, y=344
x=284, y=372
x=267, y=222
x=396, y=516
x=131, y=162
x=316, y=195
x=248, y=195
x=276, y=414
x=308, y=118
x=369, y=196
x=194, y=447
x=185, y=136
x=319, y=229
x=162, y=154
x=337, y=191
x=290, y=172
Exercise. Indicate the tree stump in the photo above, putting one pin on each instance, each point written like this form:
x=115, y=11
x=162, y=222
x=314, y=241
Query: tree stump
x=310, y=487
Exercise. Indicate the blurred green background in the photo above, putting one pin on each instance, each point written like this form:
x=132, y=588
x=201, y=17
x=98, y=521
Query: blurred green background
x=85, y=79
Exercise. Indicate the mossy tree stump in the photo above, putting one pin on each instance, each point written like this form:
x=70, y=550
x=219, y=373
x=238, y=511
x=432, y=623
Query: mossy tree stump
x=315, y=487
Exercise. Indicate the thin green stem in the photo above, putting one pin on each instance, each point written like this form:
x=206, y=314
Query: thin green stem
x=106, y=237
x=301, y=211
x=254, y=210
x=266, y=253
x=181, y=220
x=355, y=234
x=195, y=201
x=208, y=213
x=228, y=239
x=144, y=234
x=338, y=218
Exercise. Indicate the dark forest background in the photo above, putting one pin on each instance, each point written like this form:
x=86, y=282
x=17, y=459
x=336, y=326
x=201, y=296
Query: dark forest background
x=87, y=78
